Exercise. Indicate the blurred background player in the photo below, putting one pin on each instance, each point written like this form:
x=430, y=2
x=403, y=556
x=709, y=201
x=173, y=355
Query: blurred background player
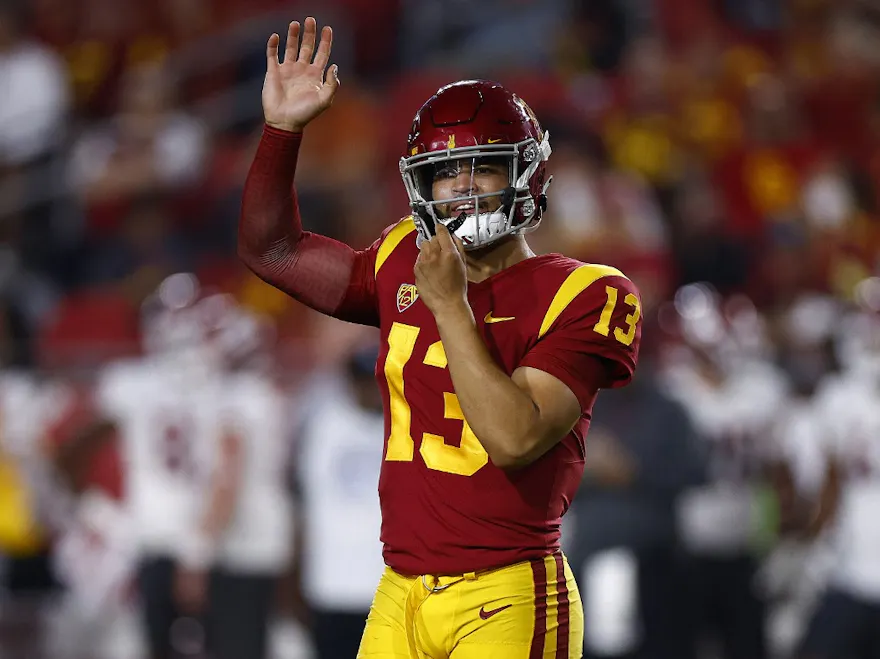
x=844, y=623
x=28, y=407
x=167, y=408
x=623, y=533
x=204, y=442
x=253, y=548
x=732, y=395
x=339, y=453
x=26, y=412
x=796, y=569
x=471, y=528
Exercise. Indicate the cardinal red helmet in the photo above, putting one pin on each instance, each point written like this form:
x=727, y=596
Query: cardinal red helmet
x=477, y=119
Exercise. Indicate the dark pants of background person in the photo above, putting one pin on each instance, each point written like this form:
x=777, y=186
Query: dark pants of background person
x=234, y=625
x=844, y=626
x=337, y=634
x=725, y=609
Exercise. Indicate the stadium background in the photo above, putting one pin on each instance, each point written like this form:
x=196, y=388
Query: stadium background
x=731, y=142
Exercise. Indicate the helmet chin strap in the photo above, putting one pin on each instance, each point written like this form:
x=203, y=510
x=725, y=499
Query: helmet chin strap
x=455, y=225
x=508, y=195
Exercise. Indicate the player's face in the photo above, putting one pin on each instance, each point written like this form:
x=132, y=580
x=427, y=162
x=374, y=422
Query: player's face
x=469, y=176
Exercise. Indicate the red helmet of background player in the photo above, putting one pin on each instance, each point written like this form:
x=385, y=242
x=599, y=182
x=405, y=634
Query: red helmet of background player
x=477, y=119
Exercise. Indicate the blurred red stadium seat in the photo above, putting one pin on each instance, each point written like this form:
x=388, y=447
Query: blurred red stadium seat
x=88, y=328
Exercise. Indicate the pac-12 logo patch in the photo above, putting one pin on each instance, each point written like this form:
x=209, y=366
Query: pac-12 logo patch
x=407, y=294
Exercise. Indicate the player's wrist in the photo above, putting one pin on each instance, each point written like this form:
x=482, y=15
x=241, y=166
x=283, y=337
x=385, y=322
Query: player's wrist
x=283, y=128
x=456, y=312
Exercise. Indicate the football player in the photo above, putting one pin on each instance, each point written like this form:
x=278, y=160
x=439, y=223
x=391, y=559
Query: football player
x=719, y=374
x=844, y=623
x=339, y=452
x=491, y=358
x=203, y=438
x=166, y=411
x=253, y=549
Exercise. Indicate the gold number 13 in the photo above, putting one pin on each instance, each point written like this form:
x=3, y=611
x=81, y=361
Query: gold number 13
x=465, y=459
x=603, y=326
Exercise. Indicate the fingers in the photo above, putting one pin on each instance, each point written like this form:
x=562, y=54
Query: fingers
x=459, y=245
x=272, y=52
x=331, y=84
x=444, y=238
x=324, y=47
x=292, y=42
x=449, y=242
x=427, y=246
x=308, y=41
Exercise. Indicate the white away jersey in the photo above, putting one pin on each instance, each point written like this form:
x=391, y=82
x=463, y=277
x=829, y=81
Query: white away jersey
x=851, y=421
x=169, y=429
x=735, y=419
x=259, y=535
x=799, y=442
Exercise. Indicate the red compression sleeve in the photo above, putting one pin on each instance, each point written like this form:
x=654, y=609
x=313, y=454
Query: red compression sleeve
x=322, y=273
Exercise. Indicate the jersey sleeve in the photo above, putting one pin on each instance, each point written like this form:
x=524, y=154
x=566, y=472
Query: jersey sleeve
x=325, y=274
x=594, y=318
x=360, y=303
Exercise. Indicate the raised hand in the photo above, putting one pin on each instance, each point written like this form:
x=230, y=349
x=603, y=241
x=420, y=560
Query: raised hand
x=295, y=91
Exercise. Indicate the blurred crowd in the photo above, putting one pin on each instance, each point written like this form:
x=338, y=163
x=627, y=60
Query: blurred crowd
x=723, y=153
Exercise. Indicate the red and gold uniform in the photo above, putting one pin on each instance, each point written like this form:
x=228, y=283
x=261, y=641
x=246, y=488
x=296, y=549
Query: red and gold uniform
x=475, y=569
x=473, y=555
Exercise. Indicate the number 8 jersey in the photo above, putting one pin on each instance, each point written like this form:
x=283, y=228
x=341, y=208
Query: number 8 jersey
x=446, y=509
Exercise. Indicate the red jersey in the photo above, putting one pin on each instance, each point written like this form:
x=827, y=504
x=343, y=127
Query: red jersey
x=446, y=509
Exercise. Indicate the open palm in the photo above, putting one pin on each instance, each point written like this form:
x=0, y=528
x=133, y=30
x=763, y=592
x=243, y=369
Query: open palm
x=295, y=91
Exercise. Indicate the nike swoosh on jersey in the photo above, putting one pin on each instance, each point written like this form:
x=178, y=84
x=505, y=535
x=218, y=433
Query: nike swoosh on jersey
x=491, y=141
x=492, y=319
x=485, y=615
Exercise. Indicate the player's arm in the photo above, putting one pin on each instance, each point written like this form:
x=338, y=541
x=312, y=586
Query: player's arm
x=71, y=459
x=293, y=592
x=197, y=552
x=223, y=490
x=829, y=499
x=548, y=412
x=322, y=273
x=517, y=418
x=520, y=417
x=794, y=516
